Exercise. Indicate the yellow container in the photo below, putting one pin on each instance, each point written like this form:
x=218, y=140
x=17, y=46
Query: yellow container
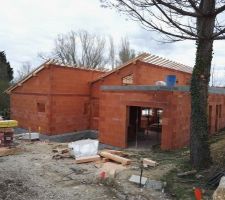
x=8, y=123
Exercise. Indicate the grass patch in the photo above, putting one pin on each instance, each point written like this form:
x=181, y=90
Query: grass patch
x=182, y=188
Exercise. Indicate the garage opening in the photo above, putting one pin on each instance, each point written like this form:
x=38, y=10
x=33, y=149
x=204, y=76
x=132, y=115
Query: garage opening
x=144, y=126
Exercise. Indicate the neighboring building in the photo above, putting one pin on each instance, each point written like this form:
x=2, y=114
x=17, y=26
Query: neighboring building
x=125, y=105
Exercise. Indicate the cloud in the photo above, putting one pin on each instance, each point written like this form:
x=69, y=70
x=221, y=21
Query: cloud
x=29, y=27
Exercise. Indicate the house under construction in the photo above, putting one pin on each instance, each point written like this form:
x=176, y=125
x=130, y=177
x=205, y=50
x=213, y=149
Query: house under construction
x=126, y=105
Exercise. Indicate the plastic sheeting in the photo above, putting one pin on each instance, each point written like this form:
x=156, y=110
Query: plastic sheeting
x=83, y=148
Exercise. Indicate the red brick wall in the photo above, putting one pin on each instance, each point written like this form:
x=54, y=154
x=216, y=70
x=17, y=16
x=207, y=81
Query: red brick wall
x=179, y=114
x=66, y=95
x=113, y=114
x=175, y=120
x=214, y=100
x=24, y=100
x=144, y=74
x=71, y=99
x=148, y=74
x=113, y=79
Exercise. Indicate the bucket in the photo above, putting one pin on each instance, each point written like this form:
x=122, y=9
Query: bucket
x=171, y=80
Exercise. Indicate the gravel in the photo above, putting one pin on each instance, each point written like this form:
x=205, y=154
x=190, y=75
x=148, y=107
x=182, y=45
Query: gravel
x=34, y=175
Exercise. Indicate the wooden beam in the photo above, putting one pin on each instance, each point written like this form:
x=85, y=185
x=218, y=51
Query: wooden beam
x=116, y=152
x=149, y=162
x=116, y=158
x=87, y=159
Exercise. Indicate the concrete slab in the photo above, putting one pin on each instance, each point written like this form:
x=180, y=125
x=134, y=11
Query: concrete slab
x=153, y=184
x=136, y=179
x=64, y=137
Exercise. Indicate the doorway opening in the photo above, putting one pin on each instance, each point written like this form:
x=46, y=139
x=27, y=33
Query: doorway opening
x=144, y=126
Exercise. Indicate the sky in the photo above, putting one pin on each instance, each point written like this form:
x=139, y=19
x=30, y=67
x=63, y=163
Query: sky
x=29, y=27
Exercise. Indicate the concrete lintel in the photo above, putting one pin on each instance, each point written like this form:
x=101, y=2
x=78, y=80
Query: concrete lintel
x=144, y=88
x=140, y=88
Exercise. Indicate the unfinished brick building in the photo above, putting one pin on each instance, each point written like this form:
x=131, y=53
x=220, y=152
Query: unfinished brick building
x=125, y=105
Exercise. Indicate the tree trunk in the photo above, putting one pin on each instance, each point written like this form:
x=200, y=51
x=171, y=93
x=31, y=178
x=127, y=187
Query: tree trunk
x=199, y=140
x=199, y=149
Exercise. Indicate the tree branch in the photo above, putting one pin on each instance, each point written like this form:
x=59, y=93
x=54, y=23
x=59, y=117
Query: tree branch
x=178, y=10
x=215, y=35
x=192, y=3
x=174, y=23
x=219, y=10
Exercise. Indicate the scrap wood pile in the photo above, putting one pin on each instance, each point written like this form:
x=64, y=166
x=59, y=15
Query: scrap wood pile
x=104, y=156
x=61, y=153
x=7, y=151
x=86, y=151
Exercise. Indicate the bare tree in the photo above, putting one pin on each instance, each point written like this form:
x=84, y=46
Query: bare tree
x=23, y=71
x=198, y=20
x=112, y=53
x=65, y=48
x=88, y=50
x=125, y=52
x=92, y=50
x=79, y=48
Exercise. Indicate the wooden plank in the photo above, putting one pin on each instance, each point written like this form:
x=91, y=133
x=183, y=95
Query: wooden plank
x=87, y=159
x=62, y=150
x=116, y=152
x=123, y=161
x=149, y=162
x=5, y=151
x=187, y=173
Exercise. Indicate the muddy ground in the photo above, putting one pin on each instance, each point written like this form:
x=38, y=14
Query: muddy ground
x=32, y=174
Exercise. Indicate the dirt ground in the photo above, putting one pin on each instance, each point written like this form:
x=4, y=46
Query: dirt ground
x=32, y=174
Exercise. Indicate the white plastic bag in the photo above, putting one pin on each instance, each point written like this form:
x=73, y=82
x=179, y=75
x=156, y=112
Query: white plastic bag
x=83, y=148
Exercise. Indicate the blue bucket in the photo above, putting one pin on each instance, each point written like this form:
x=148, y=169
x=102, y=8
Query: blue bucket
x=171, y=80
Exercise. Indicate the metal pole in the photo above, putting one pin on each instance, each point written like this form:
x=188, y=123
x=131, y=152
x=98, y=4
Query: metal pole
x=136, y=129
x=141, y=166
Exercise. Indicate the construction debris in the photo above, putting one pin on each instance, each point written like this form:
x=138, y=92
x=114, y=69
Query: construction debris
x=60, y=156
x=7, y=132
x=156, y=185
x=219, y=193
x=111, y=169
x=82, y=148
x=30, y=136
x=116, y=158
x=147, y=162
x=215, y=179
x=6, y=151
x=8, y=123
x=192, y=172
x=61, y=150
x=116, y=152
x=87, y=159
x=137, y=179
